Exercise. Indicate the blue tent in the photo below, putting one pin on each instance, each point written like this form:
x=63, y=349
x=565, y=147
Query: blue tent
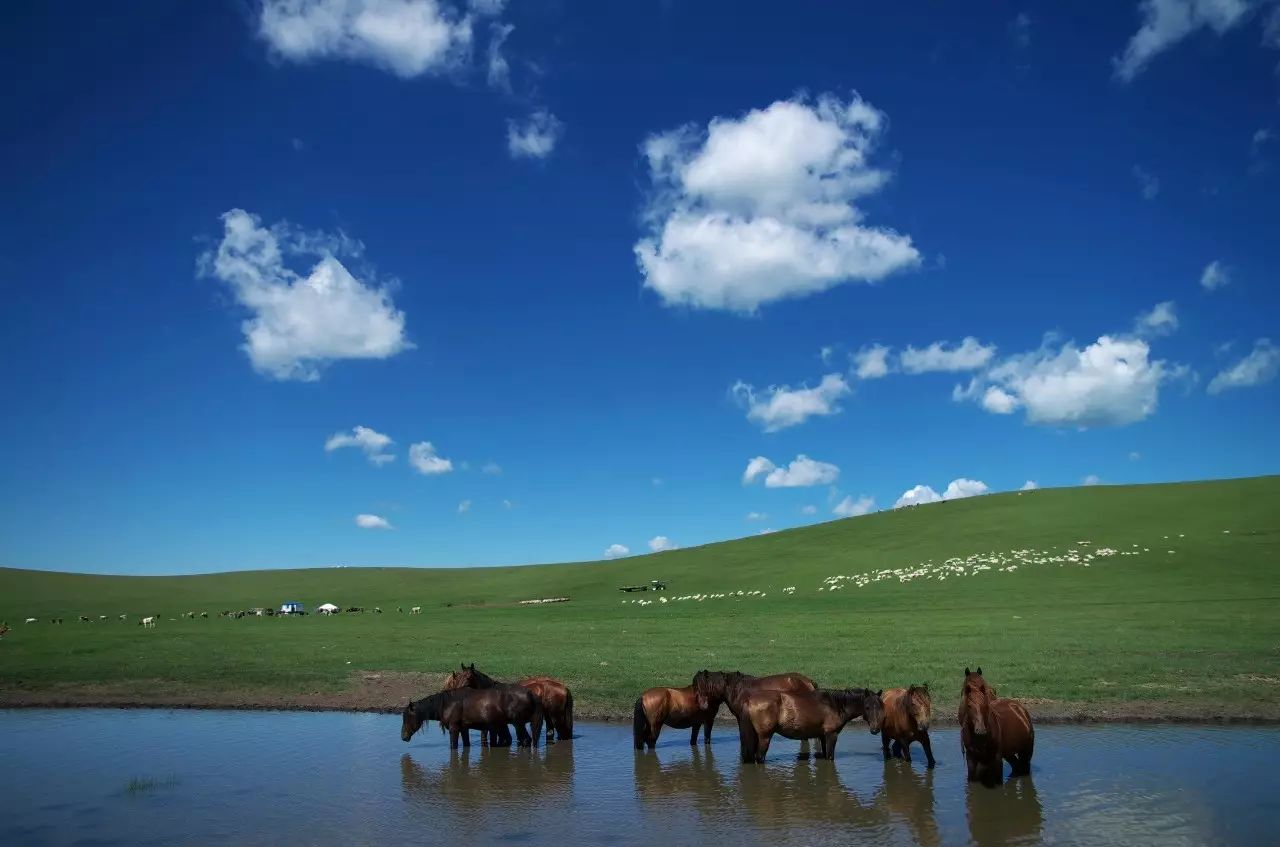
x=291, y=606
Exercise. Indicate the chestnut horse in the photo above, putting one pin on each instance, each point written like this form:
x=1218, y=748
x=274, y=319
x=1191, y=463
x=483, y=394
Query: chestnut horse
x=991, y=729
x=817, y=714
x=907, y=713
x=678, y=708
x=465, y=709
x=732, y=686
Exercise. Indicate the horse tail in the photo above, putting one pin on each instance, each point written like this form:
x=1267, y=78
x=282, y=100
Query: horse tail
x=747, y=738
x=535, y=724
x=568, y=712
x=640, y=725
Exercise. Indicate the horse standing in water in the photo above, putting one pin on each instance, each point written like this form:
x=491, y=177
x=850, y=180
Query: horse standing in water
x=678, y=708
x=907, y=713
x=817, y=714
x=461, y=710
x=991, y=729
x=554, y=696
x=733, y=686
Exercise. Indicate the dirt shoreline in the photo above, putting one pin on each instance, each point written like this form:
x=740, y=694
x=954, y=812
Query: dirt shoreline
x=387, y=692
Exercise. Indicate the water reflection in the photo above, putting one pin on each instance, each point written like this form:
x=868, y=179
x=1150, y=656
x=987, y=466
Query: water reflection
x=908, y=795
x=1006, y=815
x=800, y=794
x=696, y=778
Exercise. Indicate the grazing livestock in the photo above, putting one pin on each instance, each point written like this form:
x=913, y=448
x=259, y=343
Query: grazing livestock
x=461, y=710
x=907, y=714
x=817, y=714
x=148, y=622
x=83, y=619
x=124, y=617
x=415, y=610
x=102, y=617
x=377, y=610
x=4, y=630
x=31, y=620
x=993, y=729
x=733, y=686
x=51, y=620
x=204, y=614
x=678, y=708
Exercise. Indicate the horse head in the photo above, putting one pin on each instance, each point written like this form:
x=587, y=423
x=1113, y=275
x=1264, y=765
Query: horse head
x=873, y=709
x=975, y=704
x=410, y=722
x=919, y=706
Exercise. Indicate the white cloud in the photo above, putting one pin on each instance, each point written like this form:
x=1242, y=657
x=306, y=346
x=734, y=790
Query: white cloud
x=464, y=507
x=1020, y=30
x=801, y=473
x=826, y=354
x=373, y=522
x=756, y=516
x=767, y=531
x=848, y=507
x=536, y=137
x=499, y=70
x=659, y=543
x=969, y=355
x=1214, y=276
x=1135, y=456
x=1111, y=382
x=372, y=442
x=809, y=510
x=1091, y=479
x=1149, y=184
x=425, y=461
x=491, y=468
x=958, y=489
x=759, y=208
x=487, y=8
x=1161, y=320
x=782, y=406
x=871, y=362
x=615, y=551
x=1029, y=485
x=507, y=504
x=406, y=37
x=1261, y=365
x=300, y=324
x=1166, y=22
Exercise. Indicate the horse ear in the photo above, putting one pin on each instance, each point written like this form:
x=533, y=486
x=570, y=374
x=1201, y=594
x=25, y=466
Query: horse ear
x=881, y=691
x=979, y=670
x=463, y=665
x=473, y=666
x=966, y=670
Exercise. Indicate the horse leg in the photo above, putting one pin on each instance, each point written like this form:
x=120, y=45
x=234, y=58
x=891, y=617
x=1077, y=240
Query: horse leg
x=655, y=729
x=829, y=745
x=803, y=756
x=466, y=738
x=971, y=766
x=693, y=736
x=522, y=736
x=747, y=739
x=453, y=738
x=706, y=730
x=904, y=749
x=763, y=747
x=928, y=748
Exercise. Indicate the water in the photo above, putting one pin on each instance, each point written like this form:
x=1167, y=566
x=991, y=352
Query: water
x=102, y=777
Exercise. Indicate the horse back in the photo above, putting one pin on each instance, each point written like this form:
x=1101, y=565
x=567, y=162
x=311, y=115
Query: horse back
x=897, y=718
x=1017, y=734
x=676, y=707
x=795, y=682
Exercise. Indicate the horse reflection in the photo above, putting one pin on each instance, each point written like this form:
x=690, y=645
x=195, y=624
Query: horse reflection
x=803, y=795
x=908, y=796
x=1009, y=815
x=695, y=779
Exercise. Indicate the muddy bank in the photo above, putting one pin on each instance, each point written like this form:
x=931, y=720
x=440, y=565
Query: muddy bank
x=388, y=691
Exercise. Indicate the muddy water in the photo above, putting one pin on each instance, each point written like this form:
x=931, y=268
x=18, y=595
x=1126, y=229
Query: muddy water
x=163, y=777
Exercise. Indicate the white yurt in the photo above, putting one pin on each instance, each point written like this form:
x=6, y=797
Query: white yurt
x=327, y=608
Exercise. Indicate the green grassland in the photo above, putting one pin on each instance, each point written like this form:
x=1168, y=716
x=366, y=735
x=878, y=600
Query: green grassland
x=1189, y=628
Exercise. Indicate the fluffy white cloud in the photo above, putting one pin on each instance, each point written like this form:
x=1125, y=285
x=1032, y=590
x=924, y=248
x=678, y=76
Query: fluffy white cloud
x=372, y=522
x=1149, y=184
x=1091, y=479
x=372, y=442
x=761, y=207
x=491, y=468
x=300, y=324
x=871, y=362
x=1161, y=320
x=425, y=460
x=1111, y=382
x=406, y=37
x=1214, y=276
x=615, y=551
x=1029, y=485
x=535, y=137
x=779, y=407
x=464, y=507
x=1166, y=22
x=1135, y=456
x=969, y=355
x=849, y=507
x=660, y=543
x=499, y=69
x=809, y=509
x=958, y=489
x=801, y=473
x=1261, y=365
x=756, y=516
x=767, y=531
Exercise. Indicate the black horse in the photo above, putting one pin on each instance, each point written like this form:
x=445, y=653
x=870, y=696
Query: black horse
x=487, y=709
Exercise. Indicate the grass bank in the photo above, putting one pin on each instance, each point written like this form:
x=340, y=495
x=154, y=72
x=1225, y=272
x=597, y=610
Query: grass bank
x=1178, y=620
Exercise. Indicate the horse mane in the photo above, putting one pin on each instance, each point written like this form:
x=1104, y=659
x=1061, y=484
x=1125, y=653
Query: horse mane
x=842, y=698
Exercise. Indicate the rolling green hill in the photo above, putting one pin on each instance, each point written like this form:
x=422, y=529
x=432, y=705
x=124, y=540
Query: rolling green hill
x=1155, y=600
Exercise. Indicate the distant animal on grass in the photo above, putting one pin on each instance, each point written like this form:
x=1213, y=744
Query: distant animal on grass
x=817, y=714
x=907, y=715
x=732, y=686
x=377, y=610
x=51, y=620
x=400, y=609
x=678, y=708
x=415, y=610
x=123, y=617
x=102, y=617
x=204, y=614
x=557, y=705
x=83, y=619
x=355, y=609
x=4, y=630
x=993, y=730
x=148, y=622
x=31, y=620
x=461, y=710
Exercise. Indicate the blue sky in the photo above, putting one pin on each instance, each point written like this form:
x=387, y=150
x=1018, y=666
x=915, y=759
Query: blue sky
x=642, y=274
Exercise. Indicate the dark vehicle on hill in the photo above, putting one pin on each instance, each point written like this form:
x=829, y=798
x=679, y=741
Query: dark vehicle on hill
x=654, y=585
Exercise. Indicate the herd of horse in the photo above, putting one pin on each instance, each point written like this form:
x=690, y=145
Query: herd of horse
x=993, y=729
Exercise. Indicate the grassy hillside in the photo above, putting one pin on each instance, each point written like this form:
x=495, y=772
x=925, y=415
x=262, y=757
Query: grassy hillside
x=1183, y=623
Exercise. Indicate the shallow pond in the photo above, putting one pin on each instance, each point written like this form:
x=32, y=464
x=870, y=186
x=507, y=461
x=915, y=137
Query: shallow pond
x=161, y=777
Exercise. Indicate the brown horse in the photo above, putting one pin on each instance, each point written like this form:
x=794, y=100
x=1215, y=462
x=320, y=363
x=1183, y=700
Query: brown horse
x=557, y=705
x=465, y=709
x=817, y=714
x=469, y=677
x=991, y=729
x=733, y=686
x=678, y=708
x=907, y=713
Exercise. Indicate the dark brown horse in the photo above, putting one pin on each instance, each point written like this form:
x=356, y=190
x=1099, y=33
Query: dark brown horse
x=907, y=714
x=817, y=714
x=733, y=686
x=465, y=709
x=557, y=705
x=678, y=708
x=991, y=729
